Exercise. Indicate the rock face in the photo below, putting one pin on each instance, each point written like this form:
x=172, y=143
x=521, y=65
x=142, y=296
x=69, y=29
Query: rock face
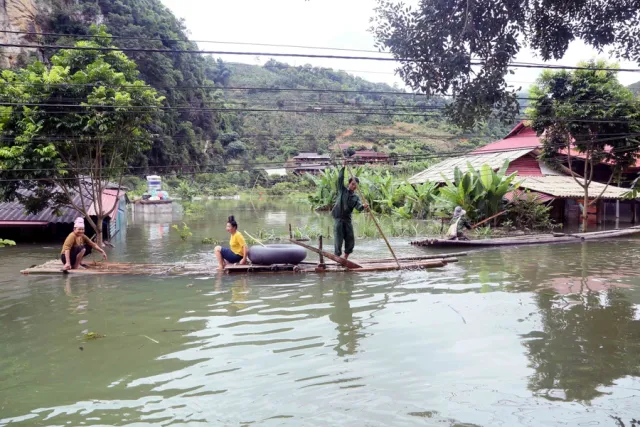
x=18, y=15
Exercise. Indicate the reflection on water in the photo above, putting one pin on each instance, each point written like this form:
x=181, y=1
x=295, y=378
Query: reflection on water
x=586, y=342
x=536, y=336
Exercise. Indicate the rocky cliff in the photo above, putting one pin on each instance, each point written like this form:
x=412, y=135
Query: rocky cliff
x=19, y=15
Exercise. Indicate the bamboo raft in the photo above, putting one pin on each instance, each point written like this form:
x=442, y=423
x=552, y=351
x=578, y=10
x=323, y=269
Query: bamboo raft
x=54, y=267
x=530, y=240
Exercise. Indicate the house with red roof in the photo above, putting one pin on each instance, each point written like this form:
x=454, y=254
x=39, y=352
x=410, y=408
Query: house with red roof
x=521, y=148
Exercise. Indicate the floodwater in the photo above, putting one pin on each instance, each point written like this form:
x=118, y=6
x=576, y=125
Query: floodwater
x=531, y=336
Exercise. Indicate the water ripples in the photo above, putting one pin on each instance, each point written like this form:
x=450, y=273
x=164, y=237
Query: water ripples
x=475, y=342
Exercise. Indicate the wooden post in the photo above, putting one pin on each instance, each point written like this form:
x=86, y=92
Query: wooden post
x=322, y=265
x=290, y=232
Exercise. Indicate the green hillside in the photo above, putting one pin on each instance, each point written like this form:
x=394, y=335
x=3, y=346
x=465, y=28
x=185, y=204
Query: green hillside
x=217, y=126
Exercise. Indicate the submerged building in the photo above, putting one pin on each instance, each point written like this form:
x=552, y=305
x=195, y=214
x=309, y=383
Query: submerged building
x=521, y=148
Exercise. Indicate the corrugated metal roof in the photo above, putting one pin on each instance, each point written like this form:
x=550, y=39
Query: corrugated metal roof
x=539, y=197
x=520, y=137
x=109, y=202
x=446, y=167
x=312, y=156
x=276, y=172
x=15, y=211
x=567, y=188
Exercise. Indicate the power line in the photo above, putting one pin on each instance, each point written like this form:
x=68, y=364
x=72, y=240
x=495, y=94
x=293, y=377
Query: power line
x=427, y=111
x=91, y=36
x=305, y=55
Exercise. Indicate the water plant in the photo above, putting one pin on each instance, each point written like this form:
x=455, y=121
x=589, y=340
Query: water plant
x=210, y=241
x=4, y=242
x=185, y=231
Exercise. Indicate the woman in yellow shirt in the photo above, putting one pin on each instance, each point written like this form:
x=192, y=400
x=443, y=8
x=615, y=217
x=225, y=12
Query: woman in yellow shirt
x=238, y=252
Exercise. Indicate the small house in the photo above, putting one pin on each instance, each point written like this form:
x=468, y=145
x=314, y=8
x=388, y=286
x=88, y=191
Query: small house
x=367, y=157
x=321, y=159
x=49, y=224
x=521, y=147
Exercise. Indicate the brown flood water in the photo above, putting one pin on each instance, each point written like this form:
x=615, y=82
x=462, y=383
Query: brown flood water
x=529, y=336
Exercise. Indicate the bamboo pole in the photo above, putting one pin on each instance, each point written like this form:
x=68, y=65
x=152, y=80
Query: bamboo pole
x=257, y=241
x=488, y=219
x=375, y=221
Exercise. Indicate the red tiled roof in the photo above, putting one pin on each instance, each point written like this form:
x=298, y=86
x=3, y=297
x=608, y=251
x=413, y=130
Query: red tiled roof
x=522, y=136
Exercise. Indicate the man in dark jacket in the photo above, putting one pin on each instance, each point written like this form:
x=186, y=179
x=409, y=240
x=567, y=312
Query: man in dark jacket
x=346, y=202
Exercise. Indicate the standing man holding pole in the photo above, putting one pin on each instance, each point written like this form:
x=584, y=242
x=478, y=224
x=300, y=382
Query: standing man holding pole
x=346, y=202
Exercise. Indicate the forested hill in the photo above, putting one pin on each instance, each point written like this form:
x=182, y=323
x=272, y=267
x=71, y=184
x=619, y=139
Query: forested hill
x=311, y=108
x=182, y=135
x=224, y=121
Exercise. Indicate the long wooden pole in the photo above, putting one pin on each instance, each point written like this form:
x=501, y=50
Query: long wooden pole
x=375, y=221
x=488, y=219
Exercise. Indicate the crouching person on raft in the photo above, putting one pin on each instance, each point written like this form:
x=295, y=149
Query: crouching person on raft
x=458, y=223
x=77, y=246
x=237, y=254
x=346, y=202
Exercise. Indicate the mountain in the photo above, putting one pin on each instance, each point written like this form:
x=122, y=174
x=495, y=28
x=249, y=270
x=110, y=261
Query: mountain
x=635, y=88
x=309, y=108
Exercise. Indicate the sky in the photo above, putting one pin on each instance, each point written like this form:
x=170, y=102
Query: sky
x=333, y=24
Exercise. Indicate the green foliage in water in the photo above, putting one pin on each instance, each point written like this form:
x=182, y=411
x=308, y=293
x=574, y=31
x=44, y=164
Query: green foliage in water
x=5, y=242
x=184, y=232
x=483, y=232
x=89, y=336
x=480, y=192
x=527, y=212
x=210, y=241
x=384, y=193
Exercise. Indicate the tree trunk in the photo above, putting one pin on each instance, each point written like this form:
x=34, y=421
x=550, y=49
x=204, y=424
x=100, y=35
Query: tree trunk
x=587, y=178
x=99, y=240
x=585, y=213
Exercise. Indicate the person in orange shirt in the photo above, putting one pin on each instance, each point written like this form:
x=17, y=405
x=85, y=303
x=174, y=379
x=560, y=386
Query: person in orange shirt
x=76, y=246
x=237, y=254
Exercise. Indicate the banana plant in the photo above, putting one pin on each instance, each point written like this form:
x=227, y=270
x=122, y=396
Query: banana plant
x=418, y=200
x=480, y=192
x=495, y=185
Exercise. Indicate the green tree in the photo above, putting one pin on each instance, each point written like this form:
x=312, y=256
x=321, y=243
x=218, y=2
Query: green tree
x=588, y=112
x=72, y=128
x=439, y=58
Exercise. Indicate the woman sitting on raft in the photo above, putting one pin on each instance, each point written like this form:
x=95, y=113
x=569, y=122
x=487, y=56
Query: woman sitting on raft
x=77, y=246
x=238, y=252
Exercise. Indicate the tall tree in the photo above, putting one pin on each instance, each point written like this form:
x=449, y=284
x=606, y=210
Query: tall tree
x=438, y=42
x=72, y=128
x=586, y=112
